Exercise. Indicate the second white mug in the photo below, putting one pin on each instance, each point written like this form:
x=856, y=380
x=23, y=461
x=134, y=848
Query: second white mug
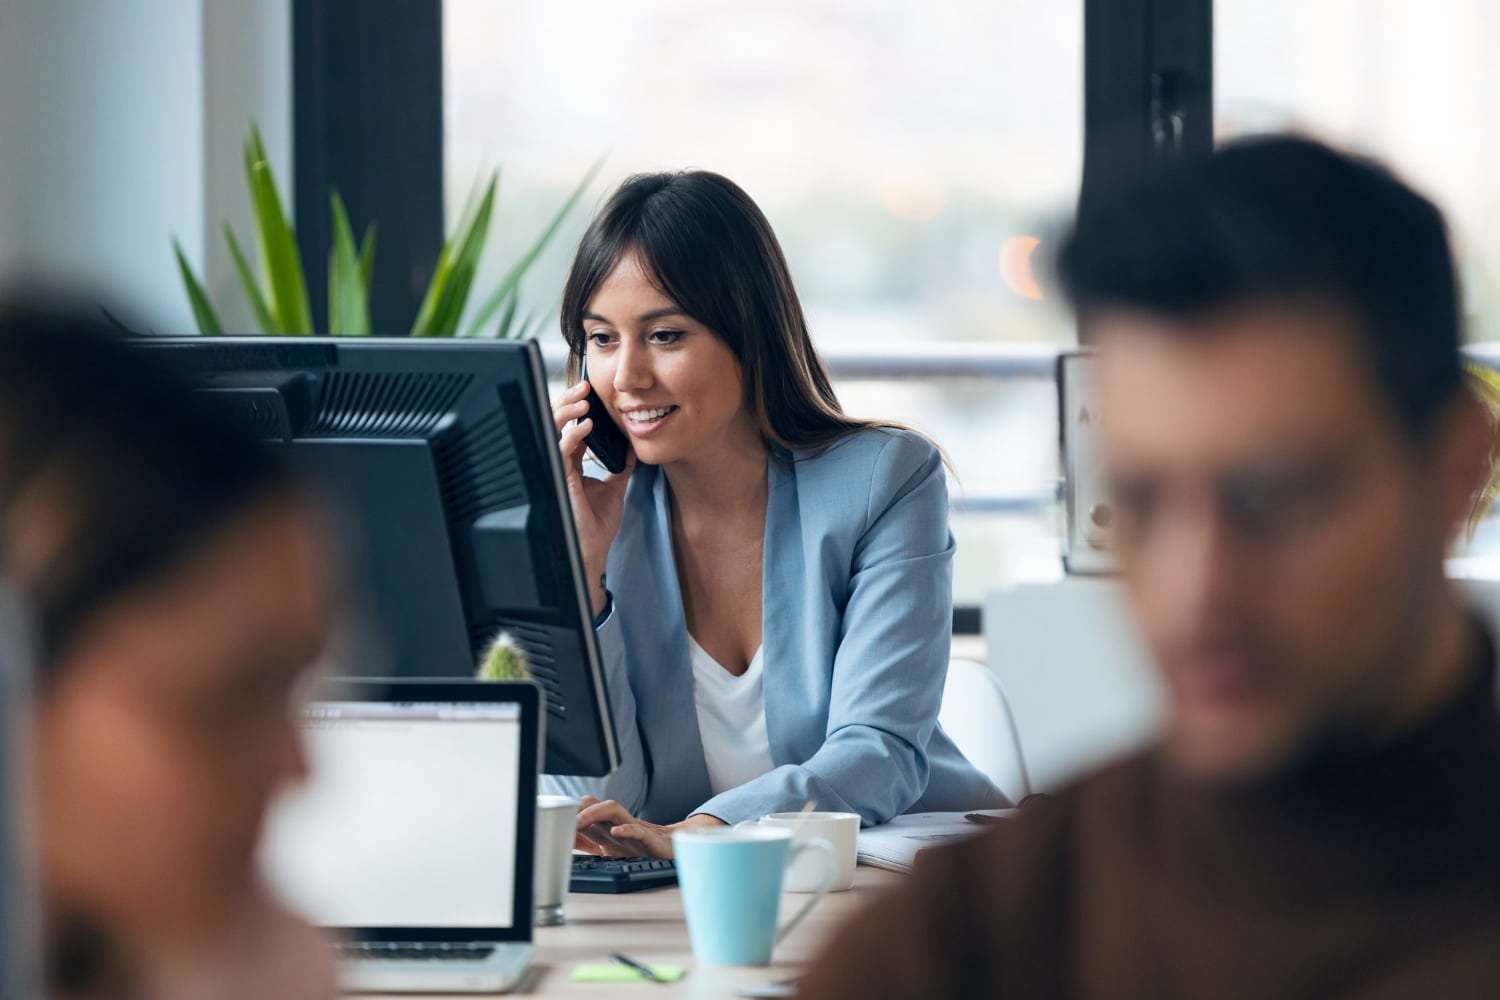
x=841, y=830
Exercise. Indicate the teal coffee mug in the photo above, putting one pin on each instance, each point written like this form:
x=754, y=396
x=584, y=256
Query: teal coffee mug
x=731, y=881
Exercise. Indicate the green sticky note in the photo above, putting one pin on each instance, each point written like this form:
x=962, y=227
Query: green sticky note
x=614, y=972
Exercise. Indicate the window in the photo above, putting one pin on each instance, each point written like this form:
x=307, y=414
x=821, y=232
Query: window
x=1406, y=81
x=910, y=156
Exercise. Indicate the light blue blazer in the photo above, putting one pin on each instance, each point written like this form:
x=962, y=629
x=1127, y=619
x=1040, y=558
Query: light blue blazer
x=857, y=611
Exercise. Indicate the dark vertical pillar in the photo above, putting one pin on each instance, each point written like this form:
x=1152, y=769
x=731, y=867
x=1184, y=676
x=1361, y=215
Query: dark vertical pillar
x=367, y=91
x=1148, y=87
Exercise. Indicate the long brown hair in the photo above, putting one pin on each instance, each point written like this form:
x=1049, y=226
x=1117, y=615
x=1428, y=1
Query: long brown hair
x=709, y=249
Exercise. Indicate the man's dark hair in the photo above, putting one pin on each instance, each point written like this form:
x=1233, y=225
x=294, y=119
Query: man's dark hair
x=133, y=471
x=1277, y=220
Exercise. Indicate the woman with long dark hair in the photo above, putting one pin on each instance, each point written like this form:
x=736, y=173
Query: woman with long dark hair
x=772, y=578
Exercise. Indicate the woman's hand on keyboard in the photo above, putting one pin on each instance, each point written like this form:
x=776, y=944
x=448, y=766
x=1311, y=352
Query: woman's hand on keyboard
x=609, y=829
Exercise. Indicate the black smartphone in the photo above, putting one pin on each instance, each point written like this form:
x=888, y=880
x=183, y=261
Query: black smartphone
x=608, y=443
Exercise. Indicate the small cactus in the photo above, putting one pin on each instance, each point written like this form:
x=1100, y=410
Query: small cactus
x=505, y=660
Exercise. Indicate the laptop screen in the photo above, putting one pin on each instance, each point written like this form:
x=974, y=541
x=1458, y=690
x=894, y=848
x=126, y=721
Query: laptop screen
x=409, y=818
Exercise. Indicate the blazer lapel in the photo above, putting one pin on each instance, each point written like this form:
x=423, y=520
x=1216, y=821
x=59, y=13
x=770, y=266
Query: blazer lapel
x=781, y=607
x=665, y=686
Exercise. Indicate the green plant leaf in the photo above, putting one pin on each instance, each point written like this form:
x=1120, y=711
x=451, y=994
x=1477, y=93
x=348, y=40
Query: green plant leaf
x=203, y=310
x=442, y=270
x=512, y=279
x=258, y=305
x=532, y=326
x=123, y=327
x=501, y=330
x=348, y=308
x=468, y=252
x=279, y=259
x=448, y=291
x=525, y=326
x=423, y=322
x=1485, y=382
x=367, y=255
x=507, y=316
x=335, y=321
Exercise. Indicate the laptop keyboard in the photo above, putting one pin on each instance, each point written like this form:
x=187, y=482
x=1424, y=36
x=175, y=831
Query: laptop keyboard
x=591, y=874
x=419, y=950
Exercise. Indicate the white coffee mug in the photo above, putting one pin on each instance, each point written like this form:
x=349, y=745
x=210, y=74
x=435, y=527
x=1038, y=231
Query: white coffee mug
x=841, y=830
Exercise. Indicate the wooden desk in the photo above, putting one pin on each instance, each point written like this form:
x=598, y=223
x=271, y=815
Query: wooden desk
x=649, y=927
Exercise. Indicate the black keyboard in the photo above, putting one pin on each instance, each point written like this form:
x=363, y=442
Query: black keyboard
x=420, y=950
x=591, y=874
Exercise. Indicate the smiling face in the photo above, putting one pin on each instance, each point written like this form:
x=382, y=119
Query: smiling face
x=1281, y=538
x=671, y=384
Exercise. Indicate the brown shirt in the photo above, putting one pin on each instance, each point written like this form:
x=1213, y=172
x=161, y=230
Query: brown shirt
x=1376, y=876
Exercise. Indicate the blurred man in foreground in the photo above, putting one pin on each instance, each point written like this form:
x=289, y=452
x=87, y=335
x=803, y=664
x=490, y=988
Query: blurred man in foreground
x=1291, y=446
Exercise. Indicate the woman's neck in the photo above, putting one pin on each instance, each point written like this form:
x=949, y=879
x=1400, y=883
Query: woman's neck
x=731, y=479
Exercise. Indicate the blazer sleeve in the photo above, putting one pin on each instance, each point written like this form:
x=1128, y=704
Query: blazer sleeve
x=627, y=785
x=892, y=656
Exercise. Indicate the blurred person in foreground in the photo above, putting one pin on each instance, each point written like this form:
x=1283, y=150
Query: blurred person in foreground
x=1291, y=446
x=180, y=591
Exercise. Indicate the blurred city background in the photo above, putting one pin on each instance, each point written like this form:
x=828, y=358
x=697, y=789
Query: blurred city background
x=918, y=161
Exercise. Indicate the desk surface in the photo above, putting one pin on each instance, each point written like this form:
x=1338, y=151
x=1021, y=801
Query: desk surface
x=649, y=927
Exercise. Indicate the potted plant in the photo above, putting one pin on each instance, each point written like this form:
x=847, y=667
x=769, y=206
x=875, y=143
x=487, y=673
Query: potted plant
x=279, y=301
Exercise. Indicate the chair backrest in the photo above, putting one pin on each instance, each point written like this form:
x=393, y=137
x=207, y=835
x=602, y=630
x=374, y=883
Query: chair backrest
x=977, y=716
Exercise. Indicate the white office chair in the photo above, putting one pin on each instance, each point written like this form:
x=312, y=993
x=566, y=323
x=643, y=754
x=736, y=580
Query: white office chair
x=977, y=716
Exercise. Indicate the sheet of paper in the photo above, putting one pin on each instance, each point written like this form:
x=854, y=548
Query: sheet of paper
x=895, y=845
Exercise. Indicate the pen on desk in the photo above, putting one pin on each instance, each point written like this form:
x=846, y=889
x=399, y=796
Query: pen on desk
x=643, y=969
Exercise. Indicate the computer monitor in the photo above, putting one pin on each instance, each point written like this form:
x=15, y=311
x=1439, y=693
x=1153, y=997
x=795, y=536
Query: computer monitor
x=443, y=457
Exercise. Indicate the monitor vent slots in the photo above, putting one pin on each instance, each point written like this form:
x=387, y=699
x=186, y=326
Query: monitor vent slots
x=374, y=404
x=478, y=470
x=536, y=643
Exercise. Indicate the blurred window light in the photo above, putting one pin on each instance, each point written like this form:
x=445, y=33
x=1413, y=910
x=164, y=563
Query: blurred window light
x=895, y=146
x=1410, y=82
x=1017, y=268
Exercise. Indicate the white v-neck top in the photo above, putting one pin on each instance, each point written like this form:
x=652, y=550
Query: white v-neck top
x=731, y=720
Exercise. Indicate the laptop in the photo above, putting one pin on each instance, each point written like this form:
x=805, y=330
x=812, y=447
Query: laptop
x=413, y=839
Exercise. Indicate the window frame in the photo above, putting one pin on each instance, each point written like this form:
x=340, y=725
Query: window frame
x=367, y=120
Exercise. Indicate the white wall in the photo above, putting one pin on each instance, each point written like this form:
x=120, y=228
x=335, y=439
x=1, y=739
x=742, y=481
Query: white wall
x=1079, y=680
x=248, y=72
x=120, y=127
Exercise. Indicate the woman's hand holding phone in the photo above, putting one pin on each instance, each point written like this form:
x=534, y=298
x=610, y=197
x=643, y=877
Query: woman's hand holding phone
x=597, y=503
